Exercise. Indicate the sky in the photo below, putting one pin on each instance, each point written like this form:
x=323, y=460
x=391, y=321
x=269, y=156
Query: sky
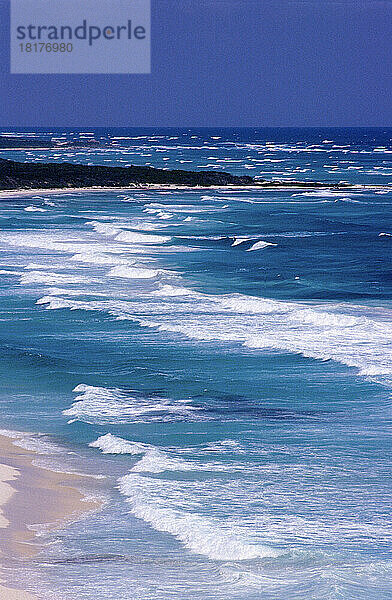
x=227, y=63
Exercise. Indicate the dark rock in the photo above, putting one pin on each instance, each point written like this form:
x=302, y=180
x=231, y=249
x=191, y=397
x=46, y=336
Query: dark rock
x=19, y=175
x=22, y=175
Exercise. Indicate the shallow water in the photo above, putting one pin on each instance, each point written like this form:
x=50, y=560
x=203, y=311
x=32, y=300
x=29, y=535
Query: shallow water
x=223, y=358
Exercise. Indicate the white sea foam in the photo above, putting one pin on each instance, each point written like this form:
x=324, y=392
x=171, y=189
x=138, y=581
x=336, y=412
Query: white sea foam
x=49, y=278
x=55, y=303
x=321, y=194
x=164, y=215
x=133, y=272
x=240, y=240
x=141, y=238
x=99, y=258
x=156, y=461
x=147, y=226
x=110, y=405
x=156, y=208
x=34, y=209
x=111, y=444
x=104, y=228
x=57, y=241
x=57, y=291
x=12, y=434
x=319, y=331
x=260, y=245
x=224, y=446
x=171, y=290
x=150, y=501
x=159, y=461
x=301, y=234
x=35, y=442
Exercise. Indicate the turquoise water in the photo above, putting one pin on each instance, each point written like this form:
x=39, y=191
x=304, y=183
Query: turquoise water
x=219, y=360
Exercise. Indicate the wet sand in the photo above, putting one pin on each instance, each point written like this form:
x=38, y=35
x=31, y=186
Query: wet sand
x=31, y=496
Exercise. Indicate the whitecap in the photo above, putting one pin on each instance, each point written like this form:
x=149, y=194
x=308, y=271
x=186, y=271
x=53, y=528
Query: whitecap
x=34, y=209
x=141, y=238
x=112, y=444
x=171, y=290
x=95, y=404
x=240, y=240
x=260, y=245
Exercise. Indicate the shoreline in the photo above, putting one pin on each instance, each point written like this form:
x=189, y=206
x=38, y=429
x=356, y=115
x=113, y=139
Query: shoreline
x=171, y=187
x=29, y=496
x=38, y=177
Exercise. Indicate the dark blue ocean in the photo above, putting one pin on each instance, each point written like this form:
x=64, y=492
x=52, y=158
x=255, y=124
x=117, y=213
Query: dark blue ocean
x=219, y=360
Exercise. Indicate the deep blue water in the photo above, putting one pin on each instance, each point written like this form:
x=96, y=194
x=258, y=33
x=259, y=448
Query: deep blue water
x=221, y=359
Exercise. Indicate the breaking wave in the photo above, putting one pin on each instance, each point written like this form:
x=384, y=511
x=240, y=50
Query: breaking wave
x=325, y=332
x=211, y=537
x=111, y=405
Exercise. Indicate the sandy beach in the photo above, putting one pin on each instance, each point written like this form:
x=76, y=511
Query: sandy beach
x=30, y=495
x=171, y=187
